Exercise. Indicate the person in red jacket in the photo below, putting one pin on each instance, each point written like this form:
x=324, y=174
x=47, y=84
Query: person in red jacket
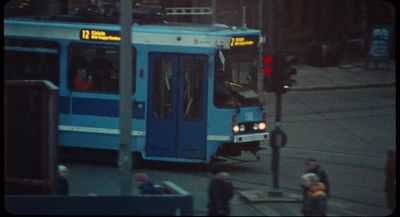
x=83, y=81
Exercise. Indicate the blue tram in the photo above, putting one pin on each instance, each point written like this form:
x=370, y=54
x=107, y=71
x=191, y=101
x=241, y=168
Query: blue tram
x=193, y=91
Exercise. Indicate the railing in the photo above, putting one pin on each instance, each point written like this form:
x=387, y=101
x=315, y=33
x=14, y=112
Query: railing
x=189, y=11
x=178, y=202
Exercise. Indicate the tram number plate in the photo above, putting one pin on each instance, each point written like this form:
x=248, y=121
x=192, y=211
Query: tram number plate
x=249, y=116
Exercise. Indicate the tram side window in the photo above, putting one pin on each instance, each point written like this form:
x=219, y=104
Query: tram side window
x=163, y=88
x=95, y=68
x=31, y=60
x=193, y=90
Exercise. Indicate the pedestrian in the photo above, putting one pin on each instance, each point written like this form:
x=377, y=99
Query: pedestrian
x=62, y=186
x=220, y=192
x=390, y=180
x=312, y=166
x=144, y=184
x=315, y=202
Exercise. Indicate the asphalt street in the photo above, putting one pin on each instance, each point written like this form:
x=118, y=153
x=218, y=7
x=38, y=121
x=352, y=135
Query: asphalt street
x=347, y=130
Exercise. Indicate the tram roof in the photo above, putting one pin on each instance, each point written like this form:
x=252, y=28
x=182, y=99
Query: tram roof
x=170, y=27
x=193, y=31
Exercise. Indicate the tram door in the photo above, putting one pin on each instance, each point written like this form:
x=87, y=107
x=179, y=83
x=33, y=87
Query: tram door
x=177, y=121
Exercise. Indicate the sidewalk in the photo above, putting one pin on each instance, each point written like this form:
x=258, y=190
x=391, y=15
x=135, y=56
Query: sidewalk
x=323, y=78
x=103, y=181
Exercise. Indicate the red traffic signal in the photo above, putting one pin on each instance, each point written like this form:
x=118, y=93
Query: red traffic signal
x=267, y=65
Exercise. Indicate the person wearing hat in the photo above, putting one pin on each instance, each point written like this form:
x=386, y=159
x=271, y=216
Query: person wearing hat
x=312, y=166
x=147, y=187
x=315, y=203
x=220, y=192
x=144, y=184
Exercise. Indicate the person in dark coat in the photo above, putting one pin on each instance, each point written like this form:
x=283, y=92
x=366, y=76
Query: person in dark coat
x=62, y=187
x=390, y=180
x=315, y=203
x=312, y=166
x=220, y=192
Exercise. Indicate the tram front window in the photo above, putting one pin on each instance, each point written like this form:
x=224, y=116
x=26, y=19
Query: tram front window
x=236, y=79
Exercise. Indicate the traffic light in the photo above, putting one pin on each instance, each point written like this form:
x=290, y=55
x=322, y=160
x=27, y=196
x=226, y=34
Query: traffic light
x=287, y=72
x=282, y=70
x=278, y=70
x=276, y=75
x=267, y=69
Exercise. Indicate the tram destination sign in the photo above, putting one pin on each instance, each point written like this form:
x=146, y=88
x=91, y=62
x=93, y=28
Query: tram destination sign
x=99, y=35
x=248, y=41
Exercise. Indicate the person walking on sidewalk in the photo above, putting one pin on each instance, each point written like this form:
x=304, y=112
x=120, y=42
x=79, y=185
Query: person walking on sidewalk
x=312, y=166
x=315, y=202
x=62, y=187
x=220, y=192
x=390, y=180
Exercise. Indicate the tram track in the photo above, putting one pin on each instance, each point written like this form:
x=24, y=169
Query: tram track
x=337, y=158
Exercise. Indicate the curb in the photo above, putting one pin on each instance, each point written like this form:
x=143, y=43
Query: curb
x=261, y=195
x=343, y=87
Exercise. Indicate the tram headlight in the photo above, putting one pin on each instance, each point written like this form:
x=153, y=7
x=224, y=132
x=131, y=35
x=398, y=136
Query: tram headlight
x=255, y=126
x=235, y=128
x=242, y=128
x=262, y=126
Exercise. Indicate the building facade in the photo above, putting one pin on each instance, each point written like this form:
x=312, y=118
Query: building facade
x=304, y=23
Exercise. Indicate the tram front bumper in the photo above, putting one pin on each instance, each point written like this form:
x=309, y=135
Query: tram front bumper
x=250, y=137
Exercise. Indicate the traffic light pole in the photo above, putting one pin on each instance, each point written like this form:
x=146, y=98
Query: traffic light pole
x=275, y=150
x=125, y=104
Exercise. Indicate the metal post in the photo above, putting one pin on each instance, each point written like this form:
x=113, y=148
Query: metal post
x=125, y=105
x=259, y=77
x=244, y=25
x=271, y=23
x=70, y=8
x=275, y=151
x=279, y=46
x=278, y=109
x=214, y=12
